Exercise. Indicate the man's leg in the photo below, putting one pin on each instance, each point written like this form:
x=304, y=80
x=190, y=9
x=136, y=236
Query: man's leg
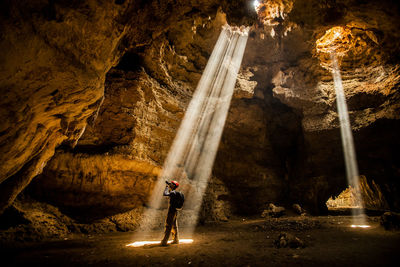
x=168, y=226
x=175, y=229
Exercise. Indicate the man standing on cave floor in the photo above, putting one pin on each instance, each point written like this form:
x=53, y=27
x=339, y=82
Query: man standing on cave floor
x=176, y=200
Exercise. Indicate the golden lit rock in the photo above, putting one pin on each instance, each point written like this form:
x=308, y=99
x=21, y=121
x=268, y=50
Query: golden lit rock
x=337, y=40
x=271, y=12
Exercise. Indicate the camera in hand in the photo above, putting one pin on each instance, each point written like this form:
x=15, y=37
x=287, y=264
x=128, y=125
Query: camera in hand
x=168, y=183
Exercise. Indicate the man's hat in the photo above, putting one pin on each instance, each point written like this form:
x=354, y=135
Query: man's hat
x=175, y=183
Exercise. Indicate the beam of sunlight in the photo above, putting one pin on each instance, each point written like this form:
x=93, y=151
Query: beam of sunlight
x=347, y=140
x=193, y=151
x=144, y=243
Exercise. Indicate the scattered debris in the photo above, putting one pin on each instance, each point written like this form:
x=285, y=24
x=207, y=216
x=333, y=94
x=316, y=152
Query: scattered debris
x=288, y=240
x=273, y=211
x=390, y=220
x=288, y=224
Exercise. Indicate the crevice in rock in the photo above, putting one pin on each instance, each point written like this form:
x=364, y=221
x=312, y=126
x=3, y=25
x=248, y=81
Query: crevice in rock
x=130, y=61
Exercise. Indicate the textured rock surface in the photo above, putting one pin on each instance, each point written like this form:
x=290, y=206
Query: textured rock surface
x=52, y=80
x=299, y=77
x=283, y=120
x=97, y=183
x=370, y=79
x=143, y=107
x=53, y=74
x=141, y=114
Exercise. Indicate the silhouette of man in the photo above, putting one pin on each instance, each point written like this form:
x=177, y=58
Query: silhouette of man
x=171, y=224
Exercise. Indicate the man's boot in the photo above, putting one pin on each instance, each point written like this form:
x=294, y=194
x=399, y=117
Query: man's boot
x=164, y=242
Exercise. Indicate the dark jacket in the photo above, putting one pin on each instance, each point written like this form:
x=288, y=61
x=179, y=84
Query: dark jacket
x=173, y=197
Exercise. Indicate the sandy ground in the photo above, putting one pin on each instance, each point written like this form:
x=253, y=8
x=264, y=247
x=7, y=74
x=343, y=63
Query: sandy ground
x=329, y=241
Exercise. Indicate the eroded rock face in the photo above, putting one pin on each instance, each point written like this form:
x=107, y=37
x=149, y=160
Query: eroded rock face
x=53, y=73
x=52, y=80
x=144, y=105
x=131, y=138
x=281, y=142
x=141, y=114
x=370, y=79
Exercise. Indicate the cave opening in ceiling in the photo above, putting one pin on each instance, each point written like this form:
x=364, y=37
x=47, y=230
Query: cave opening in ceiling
x=192, y=154
x=273, y=12
x=256, y=4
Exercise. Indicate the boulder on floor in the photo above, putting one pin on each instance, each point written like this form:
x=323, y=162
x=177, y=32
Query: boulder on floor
x=273, y=211
x=390, y=220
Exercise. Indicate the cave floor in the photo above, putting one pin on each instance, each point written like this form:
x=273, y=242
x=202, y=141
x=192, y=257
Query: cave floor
x=329, y=241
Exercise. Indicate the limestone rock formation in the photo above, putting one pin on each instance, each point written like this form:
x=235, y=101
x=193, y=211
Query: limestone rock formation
x=52, y=80
x=106, y=83
x=53, y=74
x=137, y=123
x=300, y=78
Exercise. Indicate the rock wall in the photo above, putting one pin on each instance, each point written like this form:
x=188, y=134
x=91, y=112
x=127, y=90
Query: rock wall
x=283, y=120
x=144, y=103
x=53, y=73
x=370, y=78
x=281, y=142
x=118, y=158
x=52, y=80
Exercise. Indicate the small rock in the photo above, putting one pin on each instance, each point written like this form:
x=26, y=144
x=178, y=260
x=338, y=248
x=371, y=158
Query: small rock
x=288, y=240
x=273, y=211
x=282, y=243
